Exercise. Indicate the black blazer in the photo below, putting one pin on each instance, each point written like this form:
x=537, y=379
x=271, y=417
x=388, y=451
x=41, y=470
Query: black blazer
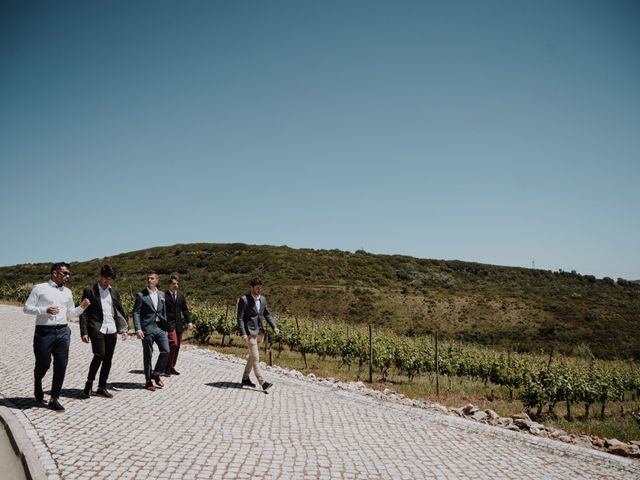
x=178, y=315
x=91, y=318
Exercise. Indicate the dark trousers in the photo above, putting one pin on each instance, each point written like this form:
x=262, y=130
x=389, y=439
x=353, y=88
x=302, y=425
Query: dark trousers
x=175, y=339
x=51, y=342
x=160, y=337
x=103, y=346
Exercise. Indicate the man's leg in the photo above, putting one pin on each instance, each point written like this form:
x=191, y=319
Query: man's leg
x=60, y=359
x=163, y=347
x=98, y=349
x=109, y=347
x=172, y=336
x=254, y=356
x=147, y=353
x=42, y=347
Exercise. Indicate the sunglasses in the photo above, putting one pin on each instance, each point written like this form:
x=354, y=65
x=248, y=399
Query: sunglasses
x=66, y=274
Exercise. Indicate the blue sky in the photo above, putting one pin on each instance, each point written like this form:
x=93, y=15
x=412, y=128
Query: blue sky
x=501, y=132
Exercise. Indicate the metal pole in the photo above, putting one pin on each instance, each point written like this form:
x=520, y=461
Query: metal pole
x=437, y=368
x=370, y=355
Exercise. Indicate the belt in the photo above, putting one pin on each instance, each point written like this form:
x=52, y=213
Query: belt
x=51, y=327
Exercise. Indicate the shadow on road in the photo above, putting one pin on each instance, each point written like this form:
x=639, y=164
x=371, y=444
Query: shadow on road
x=224, y=385
x=125, y=386
x=21, y=403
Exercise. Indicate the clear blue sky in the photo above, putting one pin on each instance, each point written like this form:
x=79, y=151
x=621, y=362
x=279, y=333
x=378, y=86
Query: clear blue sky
x=501, y=132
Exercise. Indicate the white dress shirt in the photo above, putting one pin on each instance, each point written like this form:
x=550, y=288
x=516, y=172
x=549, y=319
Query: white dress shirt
x=154, y=299
x=45, y=295
x=257, y=300
x=108, y=322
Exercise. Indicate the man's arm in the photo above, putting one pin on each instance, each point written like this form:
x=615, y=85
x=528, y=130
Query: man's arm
x=30, y=306
x=240, y=317
x=120, y=317
x=137, y=307
x=267, y=315
x=72, y=310
x=185, y=310
x=84, y=331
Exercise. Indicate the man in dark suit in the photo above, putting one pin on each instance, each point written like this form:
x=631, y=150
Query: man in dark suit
x=178, y=316
x=101, y=322
x=150, y=322
x=252, y=309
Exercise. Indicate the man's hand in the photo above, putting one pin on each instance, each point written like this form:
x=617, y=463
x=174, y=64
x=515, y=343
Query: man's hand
x=190, y=326
x=53, y=310
x=85, y=338
x=85, y=303
x=245, y=338
x=140, y=334
x=277, y=331
x=124, y=335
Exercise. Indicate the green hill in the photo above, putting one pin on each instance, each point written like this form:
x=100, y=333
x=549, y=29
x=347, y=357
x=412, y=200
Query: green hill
x=515, y=308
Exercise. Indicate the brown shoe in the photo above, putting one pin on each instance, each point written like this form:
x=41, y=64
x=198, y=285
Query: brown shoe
x=158, y=380
x=149, y=386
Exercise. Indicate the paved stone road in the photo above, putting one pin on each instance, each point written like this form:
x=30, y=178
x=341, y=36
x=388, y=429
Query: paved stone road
x=201, y=425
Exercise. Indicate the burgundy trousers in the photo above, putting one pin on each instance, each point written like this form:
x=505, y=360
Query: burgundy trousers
x=175, y=338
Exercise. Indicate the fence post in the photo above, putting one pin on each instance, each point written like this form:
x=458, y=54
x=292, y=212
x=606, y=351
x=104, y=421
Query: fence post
x=437, y=367
x=370, y=355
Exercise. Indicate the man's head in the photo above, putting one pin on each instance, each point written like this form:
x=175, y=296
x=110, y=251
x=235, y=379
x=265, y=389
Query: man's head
x=174, y=282
x=152, y=279
x=60, y=273
x=107, y=274
x=256, y=285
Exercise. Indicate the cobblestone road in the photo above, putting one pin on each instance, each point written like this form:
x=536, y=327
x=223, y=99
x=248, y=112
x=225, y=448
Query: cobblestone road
x=202, y=425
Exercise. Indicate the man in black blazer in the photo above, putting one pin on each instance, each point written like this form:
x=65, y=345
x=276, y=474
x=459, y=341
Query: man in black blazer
x=150, y=322
x=178, y=316
x=252, y=309
x=101, y=322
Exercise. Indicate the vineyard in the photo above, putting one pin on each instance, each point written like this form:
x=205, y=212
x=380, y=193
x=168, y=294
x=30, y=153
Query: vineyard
x=537, y=381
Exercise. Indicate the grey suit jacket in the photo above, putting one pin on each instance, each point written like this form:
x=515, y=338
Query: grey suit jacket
x=144, y=313
x=249, y=318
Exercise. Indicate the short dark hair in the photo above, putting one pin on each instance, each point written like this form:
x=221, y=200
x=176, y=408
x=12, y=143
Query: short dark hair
x=152, y=272
x=256, y=281
x=174, y=276
x=107, y=271
x=58, y=265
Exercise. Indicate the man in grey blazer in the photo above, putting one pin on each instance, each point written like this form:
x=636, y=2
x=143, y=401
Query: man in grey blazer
x=150, y=322
x=252, y=309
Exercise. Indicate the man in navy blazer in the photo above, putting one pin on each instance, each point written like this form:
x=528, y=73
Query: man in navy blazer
x=150, y=322
x=252, y=309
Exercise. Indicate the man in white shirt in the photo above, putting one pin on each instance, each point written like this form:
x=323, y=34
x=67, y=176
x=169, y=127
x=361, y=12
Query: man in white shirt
x=150, y=322
x=52, y=304
x=101, y=323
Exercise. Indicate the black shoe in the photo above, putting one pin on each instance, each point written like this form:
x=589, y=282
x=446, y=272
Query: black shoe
x=86, y=393
x=103, y=392
x=174, y=371
x=156, y=378
x=266, y=386
x=166, y=373
x=248, y=383
x=54, y=404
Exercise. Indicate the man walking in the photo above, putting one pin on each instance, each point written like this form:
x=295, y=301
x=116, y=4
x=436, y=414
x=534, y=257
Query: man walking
x=101, y=323
x=252, y=309
x=150, y=322
x=177, y=316
x=52, y=304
